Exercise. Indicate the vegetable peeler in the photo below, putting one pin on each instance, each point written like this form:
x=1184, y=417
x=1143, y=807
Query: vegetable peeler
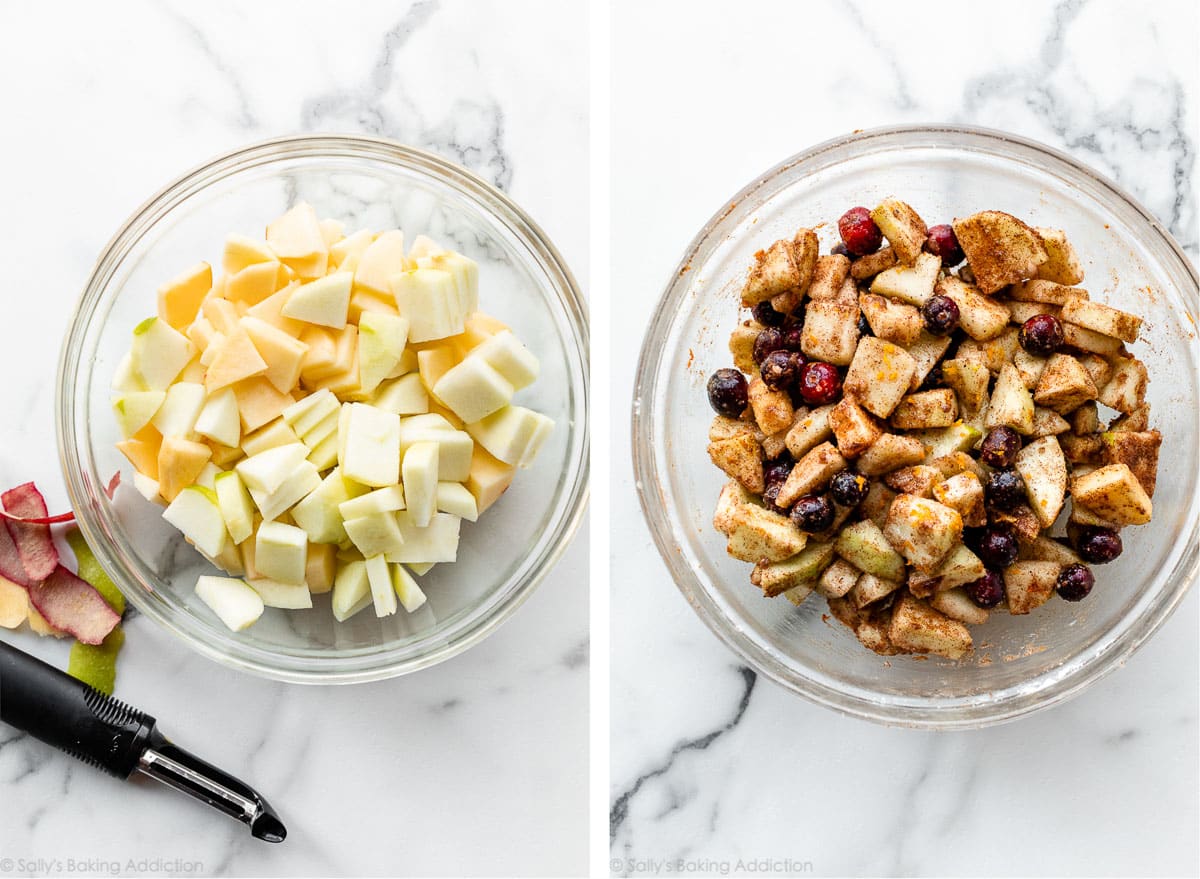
x=106, y=733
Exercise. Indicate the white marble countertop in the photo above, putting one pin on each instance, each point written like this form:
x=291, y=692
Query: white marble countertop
x=478, y=766
x=711, y=765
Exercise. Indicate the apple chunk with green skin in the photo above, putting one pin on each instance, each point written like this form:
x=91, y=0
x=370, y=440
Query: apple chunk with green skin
x=370, y=445
x=232, y=600
x=325, y=301
x=318, y=514
x=420, y=472
x=473, y=389
x=196, y=514
x=159, y=353
x=382, y=593
x=280, y=552
x=381, y=341
x=135, y=409
x=351, y=590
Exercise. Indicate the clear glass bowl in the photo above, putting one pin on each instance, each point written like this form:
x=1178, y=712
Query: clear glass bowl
x=367, y=183
x=1021, y=663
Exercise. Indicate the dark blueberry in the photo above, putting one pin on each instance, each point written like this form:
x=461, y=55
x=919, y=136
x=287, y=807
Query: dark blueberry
x=1042, y=335
x=768, y=340
x=859, y=232
x=793, y=338
x=999, y=448
x=771, y=495
x=728, y=393
x=933, y=379
x=1074, y=582
x=941, y=315
x=766, y=314
x=839, y=249
x=848, y=488
x=780, y=370
x=812, y=513
x=1004, y=490
x=864, y=327
x=1098, y=545
x=972, y=539
x=987, y=591
x=819, y=383
x=998, y=547
x=944, y=243
x=776, y=472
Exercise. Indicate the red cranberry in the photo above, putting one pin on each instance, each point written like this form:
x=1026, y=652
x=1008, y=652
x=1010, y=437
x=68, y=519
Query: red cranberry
x=812, y=513
x=987, y=591
x=998, y=546
x=819, y=383
x=1042, y=335
x=944, y=243
x=1098, y=545
x=941, y=315
x=1074, y=582
x=1004, y=490
x=779, y=370
x=999, y=448
x=859, y=232
x=728, y=393
x=848, y=488
x=765, y=314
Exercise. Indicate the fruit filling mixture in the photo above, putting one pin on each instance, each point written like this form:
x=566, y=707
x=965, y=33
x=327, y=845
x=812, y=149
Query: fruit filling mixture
x=324, y=414
x=928, y=431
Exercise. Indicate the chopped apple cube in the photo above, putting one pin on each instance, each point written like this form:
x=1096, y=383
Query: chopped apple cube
x=454, y=498
x=325, y=301
x=379, y=576
x=420, y=472
x=179, y=299
x=159, y=353
x=297, y=240
x=179, y=463
x=404, y=396
x=429, y=299
x=514, y=434
x=321, y=567
x=371, y=446
x=280, y=552
x=267, y=470
x=234, y=358
x=219, y=419
x=351, y=590
x=134, y=410
x=381, y=341
x=142, y=449
x=381, y=260
x=375, y=534
x=269, y=436
x=474, y=389
x=232, y=600
x=319, y=513
x=195, y=513
x=283, y=354
x=406, y=588
x=437, y=542
x=235, y=504
x=488, y=478
x=179, y=410
x=303, y=480
x=259, y=402
x=382, y=500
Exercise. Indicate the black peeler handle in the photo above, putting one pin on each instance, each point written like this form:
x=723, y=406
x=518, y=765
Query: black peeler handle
x=71, y=716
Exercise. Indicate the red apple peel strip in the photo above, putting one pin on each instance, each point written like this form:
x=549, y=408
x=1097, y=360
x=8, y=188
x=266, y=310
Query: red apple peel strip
x=11, y=566
x=37, y=550
x=74, y=606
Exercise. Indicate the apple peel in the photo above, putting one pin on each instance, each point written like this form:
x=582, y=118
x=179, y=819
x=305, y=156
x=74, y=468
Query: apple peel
x=11, y=567
x=34, y=545
x=73, y=605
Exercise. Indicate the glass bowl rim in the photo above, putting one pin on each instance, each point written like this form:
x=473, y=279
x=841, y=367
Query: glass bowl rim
x=1080, y=672
x=82, y=489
